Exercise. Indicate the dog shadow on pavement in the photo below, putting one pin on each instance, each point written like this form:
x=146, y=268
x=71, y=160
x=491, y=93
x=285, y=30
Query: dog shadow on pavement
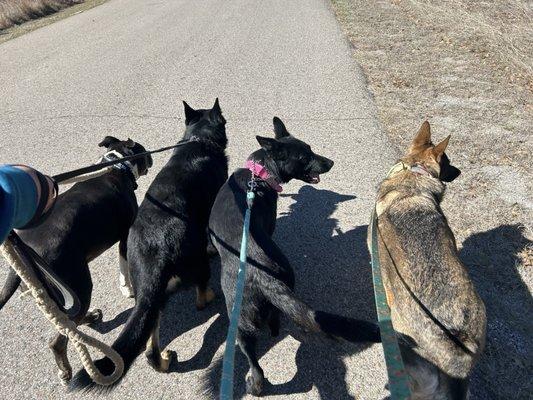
x=332, y=274
x=179, y=317
x=492, y=257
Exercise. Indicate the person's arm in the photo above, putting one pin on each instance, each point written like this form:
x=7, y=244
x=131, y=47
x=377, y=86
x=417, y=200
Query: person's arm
x=26, y=196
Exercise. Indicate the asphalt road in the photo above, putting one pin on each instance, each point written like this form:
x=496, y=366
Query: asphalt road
x=123, y=68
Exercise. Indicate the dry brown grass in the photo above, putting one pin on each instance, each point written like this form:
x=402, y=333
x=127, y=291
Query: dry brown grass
x=467, y=67
x=501, y=31
x=15, y=12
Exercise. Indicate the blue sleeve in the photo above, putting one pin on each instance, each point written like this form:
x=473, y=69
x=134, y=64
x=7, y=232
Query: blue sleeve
x=18, y=199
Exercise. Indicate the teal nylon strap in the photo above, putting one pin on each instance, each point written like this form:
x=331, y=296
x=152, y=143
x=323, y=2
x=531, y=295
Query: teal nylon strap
x=226, y=383
x=398, y=380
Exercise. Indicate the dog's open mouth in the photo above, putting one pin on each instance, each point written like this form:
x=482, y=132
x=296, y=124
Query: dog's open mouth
x=312, y=178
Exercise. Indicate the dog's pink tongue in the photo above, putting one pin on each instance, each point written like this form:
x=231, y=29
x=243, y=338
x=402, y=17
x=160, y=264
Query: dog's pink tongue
x=316, y=178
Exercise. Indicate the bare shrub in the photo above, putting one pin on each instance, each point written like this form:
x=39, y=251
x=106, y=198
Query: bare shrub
x=15, y=12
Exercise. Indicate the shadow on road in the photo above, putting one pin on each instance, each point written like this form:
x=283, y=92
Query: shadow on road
x=492, y=258
x=120, y=319
x=332, y=274
x=179, y=317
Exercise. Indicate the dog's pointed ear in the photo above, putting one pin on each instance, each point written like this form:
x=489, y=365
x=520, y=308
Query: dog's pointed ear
x=439, y=149
x=130, y=143
x=423, y=137
x=190, y=113
x=108, y=141
x=279, y=128
x=216, y=107
x=267, y=144
x=216, y=113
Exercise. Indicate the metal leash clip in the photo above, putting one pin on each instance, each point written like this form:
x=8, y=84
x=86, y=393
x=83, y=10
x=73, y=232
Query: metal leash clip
x=252, y=185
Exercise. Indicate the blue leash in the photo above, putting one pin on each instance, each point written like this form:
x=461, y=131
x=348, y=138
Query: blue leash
x=226, y=383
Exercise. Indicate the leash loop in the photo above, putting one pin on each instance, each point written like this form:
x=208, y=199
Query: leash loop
x=228, y=363
x=62, y=323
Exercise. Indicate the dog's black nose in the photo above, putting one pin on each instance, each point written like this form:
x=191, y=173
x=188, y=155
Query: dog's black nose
x=329, y=164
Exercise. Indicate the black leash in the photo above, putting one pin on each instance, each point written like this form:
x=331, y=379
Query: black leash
x=63, y=295
x=95, y=167
x=61, y=292
x=434, y=319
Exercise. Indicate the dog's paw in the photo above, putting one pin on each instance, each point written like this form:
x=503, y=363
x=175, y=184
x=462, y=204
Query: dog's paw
x=209, y=295
x=167, y=358
x=203, y=299
x=254, y=386
x=126, y=291
x=92, y=317
x=65, y=377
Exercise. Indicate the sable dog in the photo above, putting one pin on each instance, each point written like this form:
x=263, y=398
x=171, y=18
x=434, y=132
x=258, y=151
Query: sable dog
x=270, y=279
x=434, y=305
x=167, y=244
x=86, y=220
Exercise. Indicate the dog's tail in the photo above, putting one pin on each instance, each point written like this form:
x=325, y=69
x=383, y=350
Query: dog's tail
x=10, y=287
x=336, y=326
x=130, y=343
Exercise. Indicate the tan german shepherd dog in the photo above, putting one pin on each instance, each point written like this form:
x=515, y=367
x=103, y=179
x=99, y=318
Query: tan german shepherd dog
x=435, y=309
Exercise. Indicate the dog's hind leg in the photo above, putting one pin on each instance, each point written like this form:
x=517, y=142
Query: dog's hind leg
x=204, y=294
x=158, y=360
x=254, y=382
x=124, y=278
x=211, y=250
x=273, y=322
x=58, y=345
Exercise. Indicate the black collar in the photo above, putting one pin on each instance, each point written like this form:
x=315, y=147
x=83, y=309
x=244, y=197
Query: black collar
x=207, y=141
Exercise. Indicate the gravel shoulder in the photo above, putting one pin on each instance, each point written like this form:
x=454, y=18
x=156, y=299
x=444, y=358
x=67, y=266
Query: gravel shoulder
x=467, y=68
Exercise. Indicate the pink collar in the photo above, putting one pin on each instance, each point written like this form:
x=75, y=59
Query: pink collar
x=262, y=173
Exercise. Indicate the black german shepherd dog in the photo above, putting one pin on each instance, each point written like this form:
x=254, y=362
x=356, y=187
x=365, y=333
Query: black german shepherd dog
x=270, y=279
x=167, y=244
x=86, y=220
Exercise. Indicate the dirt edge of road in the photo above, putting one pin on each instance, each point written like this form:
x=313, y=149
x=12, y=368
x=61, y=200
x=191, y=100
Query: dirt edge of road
x=18, y=30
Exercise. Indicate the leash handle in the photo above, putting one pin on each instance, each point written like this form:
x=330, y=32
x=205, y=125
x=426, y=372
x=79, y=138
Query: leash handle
x=398, y=379
x=228, y=364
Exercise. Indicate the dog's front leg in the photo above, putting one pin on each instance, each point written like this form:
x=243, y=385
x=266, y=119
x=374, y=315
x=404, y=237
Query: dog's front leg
x=124, y=278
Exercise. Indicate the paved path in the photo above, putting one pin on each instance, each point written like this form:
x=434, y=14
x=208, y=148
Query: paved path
x=123, y=69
